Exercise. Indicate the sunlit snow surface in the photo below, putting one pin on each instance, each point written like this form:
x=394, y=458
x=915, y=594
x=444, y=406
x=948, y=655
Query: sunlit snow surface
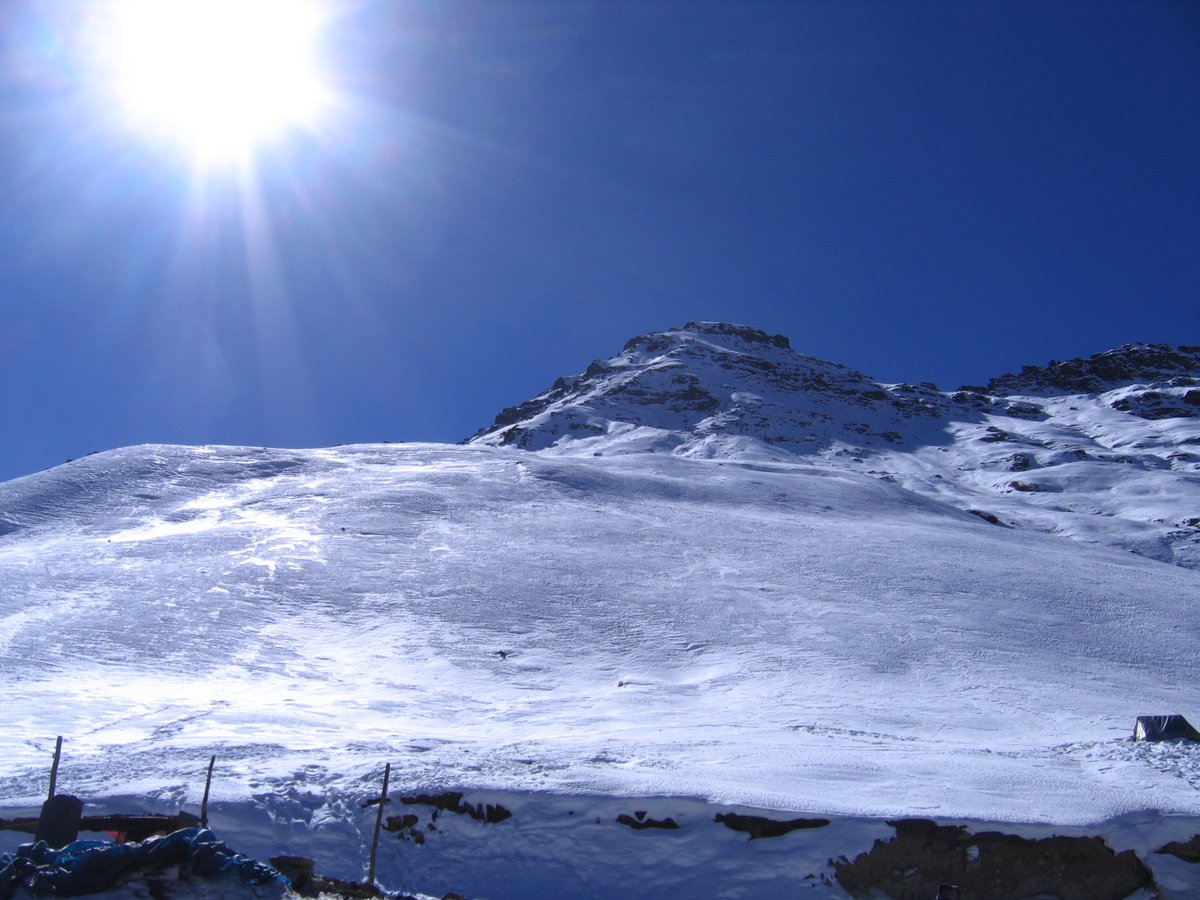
x=781, y=635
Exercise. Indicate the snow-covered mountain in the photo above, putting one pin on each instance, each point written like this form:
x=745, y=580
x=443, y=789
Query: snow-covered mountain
x=709, y=567
x=1105, y=449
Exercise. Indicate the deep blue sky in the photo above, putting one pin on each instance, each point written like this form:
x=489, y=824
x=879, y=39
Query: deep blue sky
x=922, y=190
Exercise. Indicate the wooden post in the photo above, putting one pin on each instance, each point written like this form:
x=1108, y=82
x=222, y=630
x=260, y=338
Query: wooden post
x=387, y=771
x=54, y=767
x=207, y=784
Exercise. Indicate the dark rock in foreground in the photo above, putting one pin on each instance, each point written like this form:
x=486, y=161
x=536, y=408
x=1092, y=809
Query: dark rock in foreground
x=990, y=866
x=1188, y=851
x=638, y=821
x=452, y=801
x=762, y=827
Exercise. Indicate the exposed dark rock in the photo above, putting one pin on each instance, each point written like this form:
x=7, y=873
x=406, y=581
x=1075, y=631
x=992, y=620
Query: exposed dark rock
x=1130, y=364
x=693, y=396
x=1167, y=412
x=596, y=367
x=507, y=416
x=1034, y=487
x=648, y=343
x=1156, y=405
x=750, y=335
x=452, y=801
x=990, y=866
x=1020, y=462
x=995, y=435
x=986, y=516
x=762, y=827
x=401, y=823
x=972, y=399
x=762, y=365
x=638, y=821
x=1188, y=851
x=1025, y=411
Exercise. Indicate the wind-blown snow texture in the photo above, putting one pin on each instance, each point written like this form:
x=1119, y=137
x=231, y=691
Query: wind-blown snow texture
x=709, y=566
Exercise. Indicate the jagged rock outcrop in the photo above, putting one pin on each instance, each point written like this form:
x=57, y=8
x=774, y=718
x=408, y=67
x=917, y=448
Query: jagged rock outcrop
x=1126, y=365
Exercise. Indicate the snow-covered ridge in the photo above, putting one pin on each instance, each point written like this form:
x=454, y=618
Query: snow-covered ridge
x=1119, y=465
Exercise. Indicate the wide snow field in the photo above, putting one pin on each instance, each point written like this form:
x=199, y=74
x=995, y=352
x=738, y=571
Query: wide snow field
x=775, y=635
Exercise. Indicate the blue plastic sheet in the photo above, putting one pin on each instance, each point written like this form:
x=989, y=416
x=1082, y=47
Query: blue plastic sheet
x=85, y=867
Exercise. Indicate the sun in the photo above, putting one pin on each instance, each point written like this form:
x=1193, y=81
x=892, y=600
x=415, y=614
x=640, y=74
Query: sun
x=219, y=78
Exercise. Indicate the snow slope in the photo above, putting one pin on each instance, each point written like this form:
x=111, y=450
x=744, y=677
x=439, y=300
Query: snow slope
x=776, y=600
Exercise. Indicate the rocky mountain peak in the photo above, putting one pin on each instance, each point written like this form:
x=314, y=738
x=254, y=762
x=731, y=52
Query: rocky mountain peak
x=710, y=381
x=742, y=333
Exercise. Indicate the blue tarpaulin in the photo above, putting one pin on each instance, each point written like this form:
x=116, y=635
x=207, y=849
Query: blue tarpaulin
x=85, y=867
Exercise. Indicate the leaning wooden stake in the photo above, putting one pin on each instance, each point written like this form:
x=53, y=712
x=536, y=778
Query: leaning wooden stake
x=54, y=767
x=207, y=784
x=387, y=771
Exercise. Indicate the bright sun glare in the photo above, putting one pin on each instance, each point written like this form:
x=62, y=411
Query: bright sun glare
x=218, y=77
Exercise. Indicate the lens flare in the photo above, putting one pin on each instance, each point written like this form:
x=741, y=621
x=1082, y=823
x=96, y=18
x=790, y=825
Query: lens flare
x=217, y=77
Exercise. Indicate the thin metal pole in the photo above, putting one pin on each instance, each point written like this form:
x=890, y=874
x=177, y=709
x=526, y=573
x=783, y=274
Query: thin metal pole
x=387, y=771
x=54, y=768
x=207, y=784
